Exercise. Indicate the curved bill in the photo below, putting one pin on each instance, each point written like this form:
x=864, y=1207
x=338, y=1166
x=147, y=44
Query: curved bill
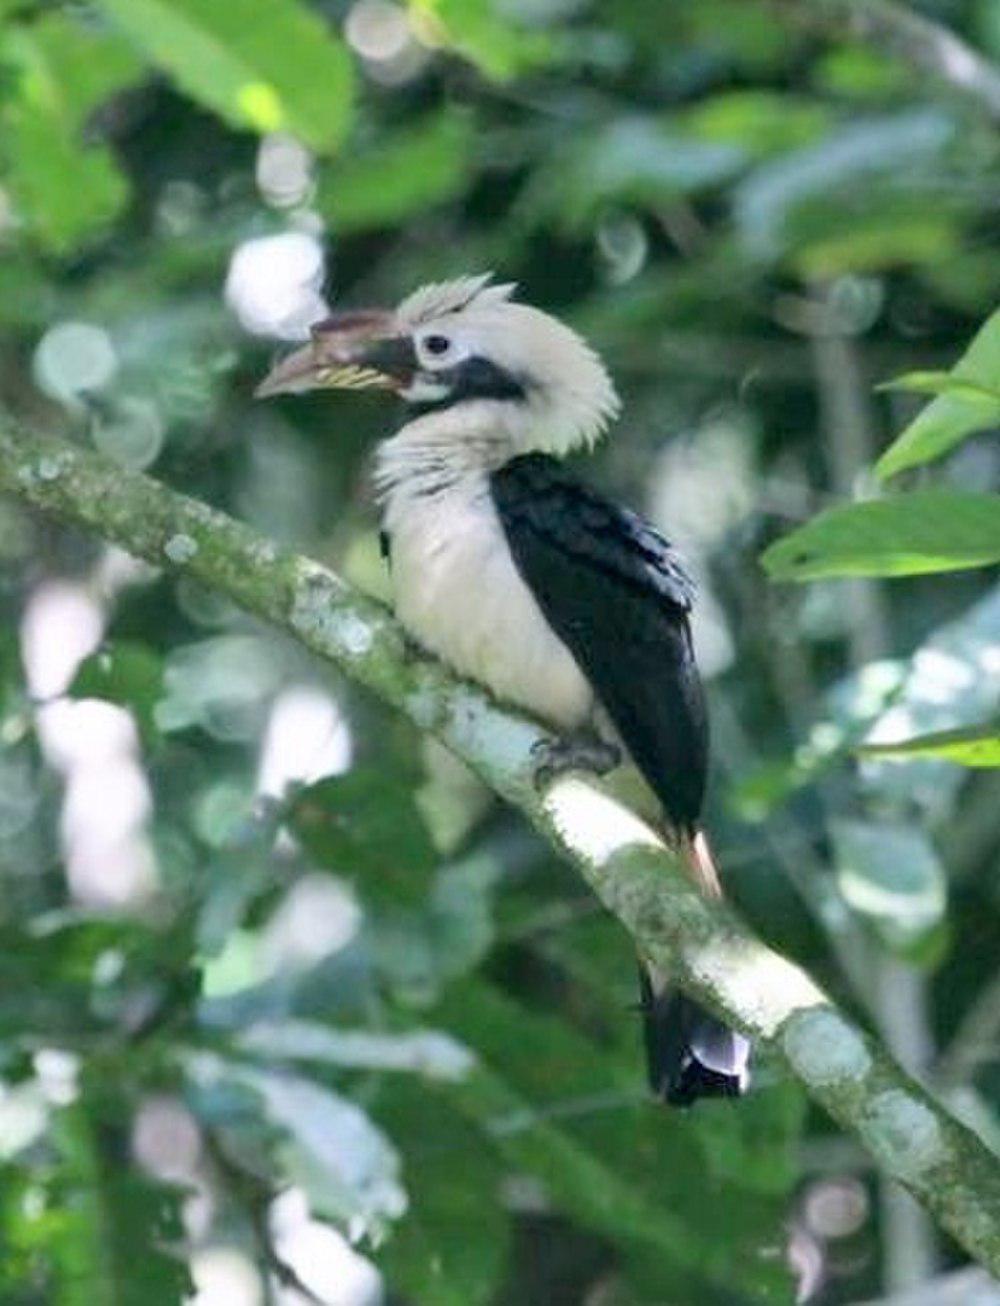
x=306, y=369
x=355, y=350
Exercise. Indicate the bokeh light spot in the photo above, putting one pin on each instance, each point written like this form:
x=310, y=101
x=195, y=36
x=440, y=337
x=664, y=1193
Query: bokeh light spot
x=274, y=285
x=74, y=359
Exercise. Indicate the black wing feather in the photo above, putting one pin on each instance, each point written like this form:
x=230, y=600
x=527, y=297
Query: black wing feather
x=616, y=594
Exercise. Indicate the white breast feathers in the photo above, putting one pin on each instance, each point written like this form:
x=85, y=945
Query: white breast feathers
x=459, y=594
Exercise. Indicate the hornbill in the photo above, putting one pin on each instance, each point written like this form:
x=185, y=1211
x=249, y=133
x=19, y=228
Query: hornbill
x=556, y=600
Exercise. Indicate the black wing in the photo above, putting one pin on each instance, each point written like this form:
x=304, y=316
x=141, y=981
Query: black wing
x=615, y=593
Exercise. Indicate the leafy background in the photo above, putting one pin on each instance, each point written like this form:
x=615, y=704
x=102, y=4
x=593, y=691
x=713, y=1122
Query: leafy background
x=290, y=1010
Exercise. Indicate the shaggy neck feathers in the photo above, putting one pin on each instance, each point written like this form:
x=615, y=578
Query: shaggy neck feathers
x=437, y=451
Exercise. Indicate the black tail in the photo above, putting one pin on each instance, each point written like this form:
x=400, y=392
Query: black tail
x=689, y=1052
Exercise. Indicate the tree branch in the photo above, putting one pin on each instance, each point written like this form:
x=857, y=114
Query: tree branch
x=911, y=1136
x=894, y=29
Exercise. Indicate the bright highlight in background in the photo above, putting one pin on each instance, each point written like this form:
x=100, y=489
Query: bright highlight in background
x=274, y=285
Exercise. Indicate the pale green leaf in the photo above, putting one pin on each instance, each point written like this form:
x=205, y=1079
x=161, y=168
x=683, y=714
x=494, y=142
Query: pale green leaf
x=262, y=65
x=912, y=534
x=955, y=413
x=344, y=1162
x=422, y=1052
x=890, y=873
x=939, y=383
x=976, y=746
x=313, y=1135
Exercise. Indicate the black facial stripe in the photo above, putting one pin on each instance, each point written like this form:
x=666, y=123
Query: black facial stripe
x=473, y=378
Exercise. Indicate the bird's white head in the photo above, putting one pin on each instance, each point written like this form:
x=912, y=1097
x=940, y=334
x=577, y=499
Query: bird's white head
x=470, y=362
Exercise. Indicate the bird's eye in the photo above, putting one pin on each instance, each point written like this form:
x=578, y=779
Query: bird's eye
x=437, y=345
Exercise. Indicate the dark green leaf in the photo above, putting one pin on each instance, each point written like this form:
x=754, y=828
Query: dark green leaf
x=422, y=164
x=367, y=825
x=115, y=1237
x=126, y=673
x=911, y=534
x=561, y=1108
x=450, y=1247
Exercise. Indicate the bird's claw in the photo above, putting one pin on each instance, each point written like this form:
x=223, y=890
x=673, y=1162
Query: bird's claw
x=552, y=758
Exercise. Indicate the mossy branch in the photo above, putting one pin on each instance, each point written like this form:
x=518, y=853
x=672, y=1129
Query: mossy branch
x=927, y=47
x=910, y=1135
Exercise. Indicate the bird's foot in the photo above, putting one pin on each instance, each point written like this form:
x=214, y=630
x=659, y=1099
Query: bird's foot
x=552, y=758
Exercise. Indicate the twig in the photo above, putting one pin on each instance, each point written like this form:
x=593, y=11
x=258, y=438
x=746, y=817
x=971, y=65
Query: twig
x=894, y=29
x=911, y=1136
x=257, y=1195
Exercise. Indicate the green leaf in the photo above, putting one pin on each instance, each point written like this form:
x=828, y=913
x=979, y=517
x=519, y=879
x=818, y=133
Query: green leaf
x=976, y=746
x=559, y=1107
x=410, y=170
x=939, y=383
x=442, y=935
x=126, y=673
x=955, y=413
x=760, y=122
x=859, y=72
x=636, y=159
x=366, y=825
x=891, y=874
x=451, y=1246
x=67, y=190
x=891, y=234
x=475, y=30
x=111, y=1223
x=850, y=162
x=263, y=65
x=909, y=535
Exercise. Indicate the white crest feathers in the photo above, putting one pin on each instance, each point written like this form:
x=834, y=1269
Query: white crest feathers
x=442, y=297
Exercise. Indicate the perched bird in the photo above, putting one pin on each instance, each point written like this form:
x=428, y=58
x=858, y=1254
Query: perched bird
x=522, y=579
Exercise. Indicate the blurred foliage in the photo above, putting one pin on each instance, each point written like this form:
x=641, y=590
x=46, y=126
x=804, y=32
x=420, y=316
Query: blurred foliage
x=256, y=935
